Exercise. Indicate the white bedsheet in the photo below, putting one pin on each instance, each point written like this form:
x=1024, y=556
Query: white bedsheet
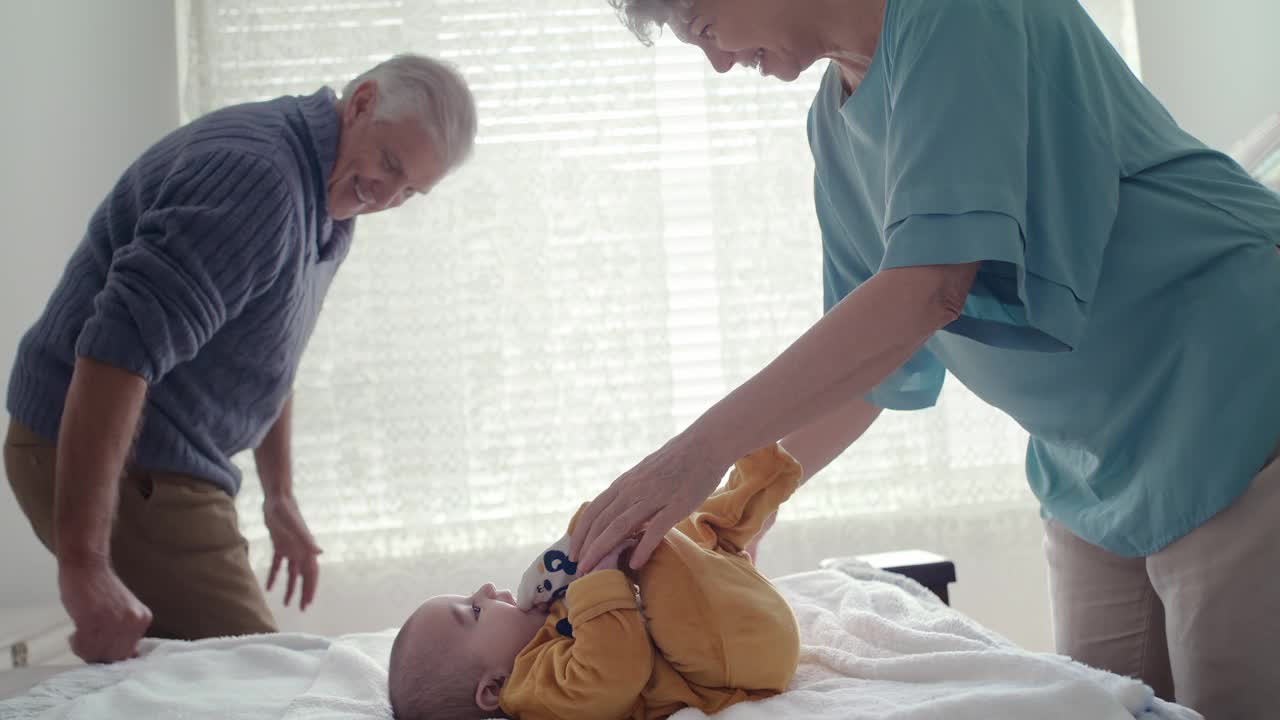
x=875, y=646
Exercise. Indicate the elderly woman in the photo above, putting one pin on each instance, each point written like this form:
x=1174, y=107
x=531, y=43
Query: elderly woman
x=1001, y=198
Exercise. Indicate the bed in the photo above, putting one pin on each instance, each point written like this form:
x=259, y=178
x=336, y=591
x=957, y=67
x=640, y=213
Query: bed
x=875, y=644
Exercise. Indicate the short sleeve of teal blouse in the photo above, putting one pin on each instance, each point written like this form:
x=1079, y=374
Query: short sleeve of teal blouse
x=1011, y=133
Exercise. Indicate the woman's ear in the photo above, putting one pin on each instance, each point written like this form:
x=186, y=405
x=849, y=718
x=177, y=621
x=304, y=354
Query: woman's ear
x=489, y=689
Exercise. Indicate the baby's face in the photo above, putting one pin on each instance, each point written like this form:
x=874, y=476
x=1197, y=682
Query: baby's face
x=485, y=626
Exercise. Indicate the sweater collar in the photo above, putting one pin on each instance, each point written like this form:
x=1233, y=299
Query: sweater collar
x=319, y=112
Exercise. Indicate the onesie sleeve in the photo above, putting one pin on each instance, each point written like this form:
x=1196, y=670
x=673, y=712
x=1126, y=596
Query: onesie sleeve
x=599, y=669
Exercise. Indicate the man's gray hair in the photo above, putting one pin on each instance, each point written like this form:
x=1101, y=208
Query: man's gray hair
x=432, y=90
x=643, y=17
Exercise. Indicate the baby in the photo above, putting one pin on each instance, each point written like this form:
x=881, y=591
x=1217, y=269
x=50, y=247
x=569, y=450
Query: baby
x=708, y=630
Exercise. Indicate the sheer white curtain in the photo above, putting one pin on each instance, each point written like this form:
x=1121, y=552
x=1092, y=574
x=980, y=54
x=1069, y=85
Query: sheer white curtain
x=634, y=237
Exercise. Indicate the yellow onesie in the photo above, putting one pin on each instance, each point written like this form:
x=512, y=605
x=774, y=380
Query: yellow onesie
x=712, y=631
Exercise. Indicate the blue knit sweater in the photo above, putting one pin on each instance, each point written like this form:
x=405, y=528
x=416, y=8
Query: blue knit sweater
x=203, y=272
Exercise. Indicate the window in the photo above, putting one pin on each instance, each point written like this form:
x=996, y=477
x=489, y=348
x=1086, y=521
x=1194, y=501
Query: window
x=634, y=237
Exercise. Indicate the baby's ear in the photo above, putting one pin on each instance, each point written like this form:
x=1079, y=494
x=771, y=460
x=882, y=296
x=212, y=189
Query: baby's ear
x=489, y=689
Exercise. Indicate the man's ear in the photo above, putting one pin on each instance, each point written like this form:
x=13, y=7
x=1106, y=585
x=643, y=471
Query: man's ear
x=362, y=101
x=488, y=690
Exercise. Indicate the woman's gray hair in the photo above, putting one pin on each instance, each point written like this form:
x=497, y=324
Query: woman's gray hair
x=643, y=17
x=434, y=91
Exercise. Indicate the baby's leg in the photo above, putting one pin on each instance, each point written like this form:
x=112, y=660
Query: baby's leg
x=712, y=616
x=716, y=619
x=758, y=484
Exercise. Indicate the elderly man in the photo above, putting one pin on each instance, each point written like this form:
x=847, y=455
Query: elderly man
x=172, y=341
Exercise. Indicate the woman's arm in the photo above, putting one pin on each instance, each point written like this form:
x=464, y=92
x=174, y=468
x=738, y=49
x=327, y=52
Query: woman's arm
x=847, y=353
x=815, y=445
x=854, y=347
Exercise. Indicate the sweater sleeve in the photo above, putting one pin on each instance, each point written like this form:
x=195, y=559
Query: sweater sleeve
x=602, y=669
x=218, y=235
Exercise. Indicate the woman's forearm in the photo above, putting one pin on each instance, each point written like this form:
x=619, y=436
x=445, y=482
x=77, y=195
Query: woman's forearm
x=853, y=348
x=815, y=445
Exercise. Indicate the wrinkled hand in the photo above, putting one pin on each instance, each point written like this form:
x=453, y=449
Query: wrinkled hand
x=753, y=547
x=617, y=557
x=646, y=501
x=293, y=542
x=109, y=619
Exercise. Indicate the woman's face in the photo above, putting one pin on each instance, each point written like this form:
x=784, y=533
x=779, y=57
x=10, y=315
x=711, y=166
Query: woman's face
x=753, y=33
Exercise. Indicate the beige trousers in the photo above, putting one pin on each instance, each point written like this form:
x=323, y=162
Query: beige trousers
x=1198, y=621
x=175, y=543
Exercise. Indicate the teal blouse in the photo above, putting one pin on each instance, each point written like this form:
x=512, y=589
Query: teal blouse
x=1127, y=309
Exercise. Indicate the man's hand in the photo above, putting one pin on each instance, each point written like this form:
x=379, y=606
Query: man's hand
x=98, y=420
x=293, y=542
x=109, y=619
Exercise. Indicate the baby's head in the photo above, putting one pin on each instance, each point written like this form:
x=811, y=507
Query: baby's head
x=453, y=655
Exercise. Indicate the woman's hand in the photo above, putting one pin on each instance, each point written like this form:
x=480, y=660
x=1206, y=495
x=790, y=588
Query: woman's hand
x=617, y=558
x=646, y=501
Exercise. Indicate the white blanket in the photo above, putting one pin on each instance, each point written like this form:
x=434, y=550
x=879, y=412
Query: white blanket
x=876, y=646
x=883, y=647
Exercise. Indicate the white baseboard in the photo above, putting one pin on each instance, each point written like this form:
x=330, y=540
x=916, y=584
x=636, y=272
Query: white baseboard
x=35, y=636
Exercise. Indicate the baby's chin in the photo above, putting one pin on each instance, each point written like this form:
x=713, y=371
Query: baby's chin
x=537, y=617
x=541, y=607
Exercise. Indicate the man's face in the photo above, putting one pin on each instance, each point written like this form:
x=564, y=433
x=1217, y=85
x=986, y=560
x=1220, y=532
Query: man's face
x=381, y=163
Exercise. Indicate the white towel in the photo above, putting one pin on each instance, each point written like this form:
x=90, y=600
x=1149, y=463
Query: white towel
x=883, y=647
x=269, y=677
x=877, y=646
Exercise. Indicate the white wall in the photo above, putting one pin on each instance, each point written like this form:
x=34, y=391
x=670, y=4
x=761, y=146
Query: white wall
x=1215, y=65
x=89, y=85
